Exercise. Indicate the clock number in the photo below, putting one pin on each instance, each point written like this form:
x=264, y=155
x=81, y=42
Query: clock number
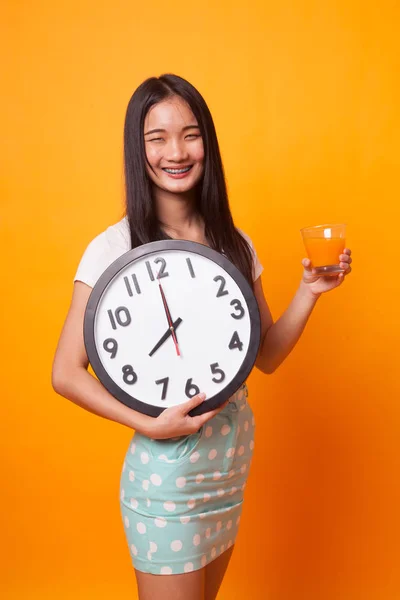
x=235, y=342
x=190, y=266
x=150, y=272
x=216, y=370
x=221, y=291
x=191, y=389
x=128, y=285
x=238, y=306
x=161, y=273
x=129, y=374
x=110, y=345
x=165, y=386
x=123, y=322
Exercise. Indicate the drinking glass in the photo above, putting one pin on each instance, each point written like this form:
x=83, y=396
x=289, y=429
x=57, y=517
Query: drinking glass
x=324, y=244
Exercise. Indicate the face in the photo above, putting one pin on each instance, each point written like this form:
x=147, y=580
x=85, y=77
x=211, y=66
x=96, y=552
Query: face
x=174, y=146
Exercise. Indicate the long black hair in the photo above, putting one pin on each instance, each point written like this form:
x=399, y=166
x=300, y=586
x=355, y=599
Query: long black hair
x=211, y=194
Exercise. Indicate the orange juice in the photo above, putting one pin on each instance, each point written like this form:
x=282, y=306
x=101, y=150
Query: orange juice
x=324, y=251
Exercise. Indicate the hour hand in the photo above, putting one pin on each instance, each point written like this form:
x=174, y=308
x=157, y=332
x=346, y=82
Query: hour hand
x=166, y=335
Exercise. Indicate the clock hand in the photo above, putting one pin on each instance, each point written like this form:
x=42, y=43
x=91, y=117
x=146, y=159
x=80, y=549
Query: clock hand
x=169, y=318
x=166, y=336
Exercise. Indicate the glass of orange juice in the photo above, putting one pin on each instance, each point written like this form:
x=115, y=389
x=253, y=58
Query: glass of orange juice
x=324, y=244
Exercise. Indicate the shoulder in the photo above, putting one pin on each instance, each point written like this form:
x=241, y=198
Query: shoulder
x=257, y=266
x=106, y=247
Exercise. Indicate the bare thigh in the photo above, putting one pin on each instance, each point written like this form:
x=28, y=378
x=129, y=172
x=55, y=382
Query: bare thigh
x=186, y=586
x=215, y=572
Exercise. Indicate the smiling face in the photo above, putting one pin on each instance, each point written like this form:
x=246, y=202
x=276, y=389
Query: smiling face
x=174, y=146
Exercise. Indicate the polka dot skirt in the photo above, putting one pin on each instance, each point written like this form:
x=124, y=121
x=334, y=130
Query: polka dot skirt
x=181, y=498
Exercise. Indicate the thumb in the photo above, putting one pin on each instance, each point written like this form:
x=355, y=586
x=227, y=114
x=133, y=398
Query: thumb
x=306, y=262
x=186, y=407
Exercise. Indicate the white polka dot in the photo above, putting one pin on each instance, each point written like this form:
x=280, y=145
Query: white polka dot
x=242, y=407
x=207, y=497
x=126, y=521
x=212, y=454
x=169, y=506
x=246, y=425
x=153, y=547
x=203, y=560
x=231, y=474
x=144, y=457
x=209, y=431
x=131, y=476
x=251, y=445
x=238, y=520
x=134, y=549
x=191, y=503
x=208, y=532
x=238, y=429
x=155, y=479
x=133, y=448
x=220, y=492
x=243, y=486
x=225, y=429
x=188, y=567
x=163, y=457
x=166, y=571
x=146, y=484
x=123, y=467
x=176, y=545
x=122, y=494
x=222, y=549
x=253, y=421
x=241, y=450
x=149, y=557
x=213, y=552
x=194, y=457
x=217, y=475
x=196, y=540
x=148, y=503
x=219, y=525
x=202, y=515
x=233, y=490
x=180, y=482
x=230, y=452
x=243, y=468
x=229, y=524
x=134, y=503
x=160, y=522
x=141, y=527
x=229, y=544
x=184, y=520
x=199, y=478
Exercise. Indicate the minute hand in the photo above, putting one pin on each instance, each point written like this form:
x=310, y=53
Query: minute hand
x=166, y=336
x=169, y=318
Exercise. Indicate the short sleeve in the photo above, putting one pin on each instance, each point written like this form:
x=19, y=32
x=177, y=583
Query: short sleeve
x=101, y=252
x=257, y=266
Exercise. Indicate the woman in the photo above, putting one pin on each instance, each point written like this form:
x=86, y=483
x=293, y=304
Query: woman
x=183, y=477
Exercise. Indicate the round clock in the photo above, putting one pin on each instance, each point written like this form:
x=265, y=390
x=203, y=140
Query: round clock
x=168, y=320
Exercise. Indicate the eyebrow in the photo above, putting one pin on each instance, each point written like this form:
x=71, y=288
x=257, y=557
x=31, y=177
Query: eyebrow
x=164, y=130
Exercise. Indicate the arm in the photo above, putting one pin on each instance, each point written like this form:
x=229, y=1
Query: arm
x=71, y=379
x=278, y=339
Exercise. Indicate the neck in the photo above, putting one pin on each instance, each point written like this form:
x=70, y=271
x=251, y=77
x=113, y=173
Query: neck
x=177, y=214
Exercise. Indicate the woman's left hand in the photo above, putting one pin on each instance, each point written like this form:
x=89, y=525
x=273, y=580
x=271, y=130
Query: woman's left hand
x=317, y=284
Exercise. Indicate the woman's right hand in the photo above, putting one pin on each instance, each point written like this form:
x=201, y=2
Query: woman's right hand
x=175, y=421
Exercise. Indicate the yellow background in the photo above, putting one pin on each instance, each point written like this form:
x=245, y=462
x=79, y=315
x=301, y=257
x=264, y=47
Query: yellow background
x=305, y=97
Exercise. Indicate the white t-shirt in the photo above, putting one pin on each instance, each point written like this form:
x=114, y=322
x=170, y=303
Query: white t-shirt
x=115, y=241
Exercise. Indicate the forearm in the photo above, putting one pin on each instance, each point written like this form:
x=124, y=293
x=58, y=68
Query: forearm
x=283, y=335
x=79, y=386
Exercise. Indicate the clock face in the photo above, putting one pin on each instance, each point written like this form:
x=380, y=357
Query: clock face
x=213, y=312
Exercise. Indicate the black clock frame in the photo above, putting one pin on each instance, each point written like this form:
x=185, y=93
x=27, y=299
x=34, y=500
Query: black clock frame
x=147, y=250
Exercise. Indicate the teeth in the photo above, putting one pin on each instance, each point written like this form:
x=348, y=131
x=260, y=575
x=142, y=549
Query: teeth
x=177, y=171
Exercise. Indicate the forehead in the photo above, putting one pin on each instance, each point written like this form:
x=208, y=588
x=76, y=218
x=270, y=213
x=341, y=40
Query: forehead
x=170, y=114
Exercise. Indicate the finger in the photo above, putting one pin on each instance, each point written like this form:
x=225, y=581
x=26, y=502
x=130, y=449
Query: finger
x=347, y=251
x=306, y=262
x=192, y=403
x=345, y=258
x=200, y=420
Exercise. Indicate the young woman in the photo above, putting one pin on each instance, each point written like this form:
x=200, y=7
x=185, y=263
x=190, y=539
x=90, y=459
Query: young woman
x=183, y=478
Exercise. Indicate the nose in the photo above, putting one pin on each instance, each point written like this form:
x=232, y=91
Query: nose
x=176, y=151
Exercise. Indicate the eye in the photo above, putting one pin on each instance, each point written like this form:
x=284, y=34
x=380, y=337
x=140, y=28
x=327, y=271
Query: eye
x=193, y=135
x=156, y=140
